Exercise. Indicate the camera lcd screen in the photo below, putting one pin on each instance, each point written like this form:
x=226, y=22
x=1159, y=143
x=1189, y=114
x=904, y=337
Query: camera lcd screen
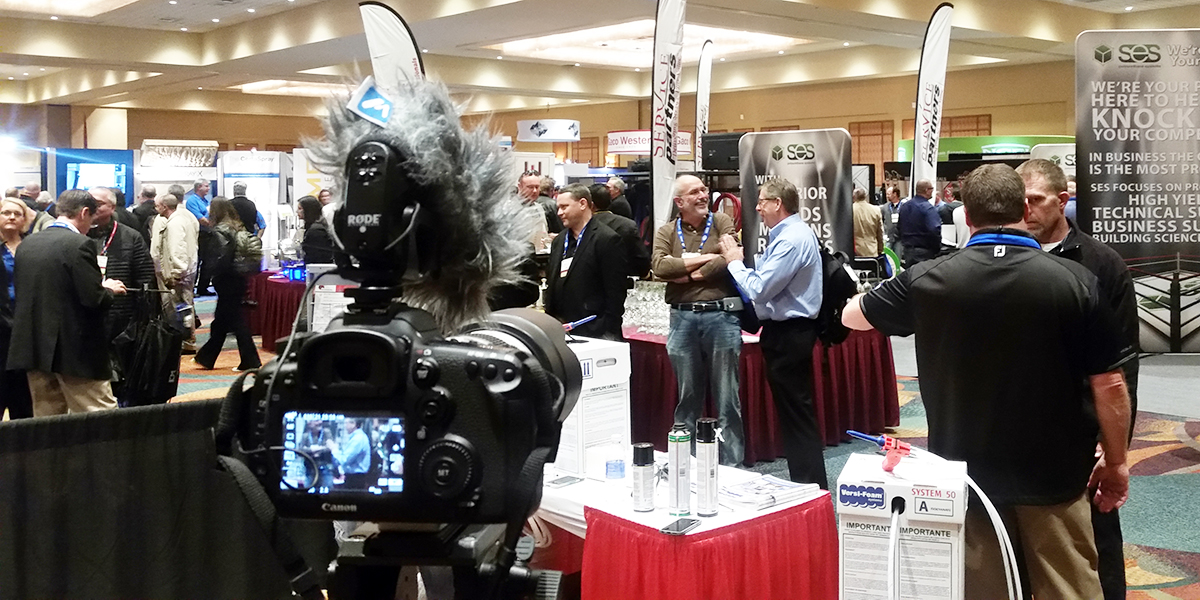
x=350, y=452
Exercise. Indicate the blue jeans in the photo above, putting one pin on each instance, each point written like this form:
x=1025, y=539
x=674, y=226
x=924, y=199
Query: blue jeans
x=704, y=349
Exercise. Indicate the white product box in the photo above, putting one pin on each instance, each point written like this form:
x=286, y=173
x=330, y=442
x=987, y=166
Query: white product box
x=602, y=410
x=931, y=527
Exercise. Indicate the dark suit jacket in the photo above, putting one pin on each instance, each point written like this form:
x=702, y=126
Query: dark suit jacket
x=637, y=256
x=595, y=284
x=621, y=207
x=59, y=322
x=145, y=214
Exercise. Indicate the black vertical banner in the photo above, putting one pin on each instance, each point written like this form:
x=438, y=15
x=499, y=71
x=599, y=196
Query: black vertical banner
x=1137, y=112
x=818, y=163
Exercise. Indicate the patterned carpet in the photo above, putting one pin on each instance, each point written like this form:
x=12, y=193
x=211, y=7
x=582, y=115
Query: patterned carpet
x=197, y=383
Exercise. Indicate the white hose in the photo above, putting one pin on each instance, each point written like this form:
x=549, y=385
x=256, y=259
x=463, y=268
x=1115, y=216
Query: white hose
x=893, y=573
x=1015, y=592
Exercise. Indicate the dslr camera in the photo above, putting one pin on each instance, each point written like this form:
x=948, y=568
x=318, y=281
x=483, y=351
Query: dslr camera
x=381, y=418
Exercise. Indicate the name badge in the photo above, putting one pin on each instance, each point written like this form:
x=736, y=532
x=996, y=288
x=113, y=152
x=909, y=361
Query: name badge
x=102, y=260
x=690, y=255
x=566, y=266
x=895, y=217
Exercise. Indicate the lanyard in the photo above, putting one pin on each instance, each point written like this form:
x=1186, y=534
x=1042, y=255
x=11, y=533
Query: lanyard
x=111, y=235
x=703, y=238
x=1007, y=239
x=60, y=224
x=578, y=241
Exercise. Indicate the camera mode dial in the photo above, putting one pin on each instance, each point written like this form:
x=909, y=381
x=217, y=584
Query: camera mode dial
x=447, y=467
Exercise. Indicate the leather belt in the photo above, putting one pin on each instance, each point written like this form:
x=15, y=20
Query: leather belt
x=733, y=304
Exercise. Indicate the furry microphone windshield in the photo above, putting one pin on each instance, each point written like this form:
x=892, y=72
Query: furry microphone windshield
x=482, y=229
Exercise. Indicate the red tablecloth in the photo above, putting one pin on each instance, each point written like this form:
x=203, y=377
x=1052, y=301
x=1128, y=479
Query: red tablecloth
x=789, y=554
x=277, y=300
x=854, y=384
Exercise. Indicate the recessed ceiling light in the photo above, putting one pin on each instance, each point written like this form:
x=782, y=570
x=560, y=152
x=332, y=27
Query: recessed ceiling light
x=424, y=50
x=216, y=20
x=722, y=59
x=53, y=18
x=1128, y=8
x=845, y=44
x=577, y=64
x=781, y=51
x=11, y=78
x=172, y=2
x=638, y=70
x=183, y=28
x=249, y=10
x=25, y=74
x=42, y=69
x=199, y=88
x=499, y=58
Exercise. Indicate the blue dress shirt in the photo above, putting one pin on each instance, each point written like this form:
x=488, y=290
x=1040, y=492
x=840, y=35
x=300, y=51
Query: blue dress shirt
x=355, y=454
x=787, y=282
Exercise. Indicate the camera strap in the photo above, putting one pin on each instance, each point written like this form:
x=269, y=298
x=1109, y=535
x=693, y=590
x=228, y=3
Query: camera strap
x=303, y=580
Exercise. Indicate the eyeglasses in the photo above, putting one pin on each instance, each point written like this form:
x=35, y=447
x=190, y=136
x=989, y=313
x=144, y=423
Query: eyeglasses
x=11, y=213
x=761, y=201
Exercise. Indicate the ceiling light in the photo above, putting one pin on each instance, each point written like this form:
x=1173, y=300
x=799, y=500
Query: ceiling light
x=722, y=59
x=638, y=70
x=25, y=74
x=499, y=58
x=424, y=50
x=199, y=88
x=1128, y=8
x=11, y=78
x=216, y=20
x=172, y=2
x=276, y=87
x=630, y=44
x=249, y=10
x=42, y=69
x=183, y=28
x=845, y=44
x=577, y=64
x=53, y=18
x=781, y=51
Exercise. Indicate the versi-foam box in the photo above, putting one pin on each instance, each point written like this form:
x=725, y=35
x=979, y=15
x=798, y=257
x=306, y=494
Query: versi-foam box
x=931, y=527
x=602, y=410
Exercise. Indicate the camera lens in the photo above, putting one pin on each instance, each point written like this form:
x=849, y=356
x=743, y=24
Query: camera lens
x=538, y=335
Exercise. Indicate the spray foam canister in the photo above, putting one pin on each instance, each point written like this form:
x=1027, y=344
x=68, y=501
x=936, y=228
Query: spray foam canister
x=643, y=477
x=706, y=467
x=679, y=492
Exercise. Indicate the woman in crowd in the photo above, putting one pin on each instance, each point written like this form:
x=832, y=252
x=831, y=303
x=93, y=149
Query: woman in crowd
x=14, y=387
x=231, y=290
x=317, y=244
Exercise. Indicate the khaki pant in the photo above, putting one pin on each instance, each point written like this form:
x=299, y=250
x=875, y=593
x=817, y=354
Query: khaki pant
x=58, y=394
x=1054, y=542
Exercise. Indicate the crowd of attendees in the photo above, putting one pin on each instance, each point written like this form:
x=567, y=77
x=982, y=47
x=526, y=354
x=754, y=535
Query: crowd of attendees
x=82, y=272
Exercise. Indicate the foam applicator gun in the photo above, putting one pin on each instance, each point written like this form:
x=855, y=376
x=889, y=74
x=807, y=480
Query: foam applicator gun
x=895, y=448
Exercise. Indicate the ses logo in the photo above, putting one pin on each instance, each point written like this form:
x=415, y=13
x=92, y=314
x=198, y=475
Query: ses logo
x=860, y=496
x=1129, y=53
x=794, y=152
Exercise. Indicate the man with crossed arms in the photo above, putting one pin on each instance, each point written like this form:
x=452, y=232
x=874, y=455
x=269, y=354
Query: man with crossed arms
x=705, y=338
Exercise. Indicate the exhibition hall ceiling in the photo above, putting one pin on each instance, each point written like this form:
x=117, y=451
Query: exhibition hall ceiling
x=284, y=57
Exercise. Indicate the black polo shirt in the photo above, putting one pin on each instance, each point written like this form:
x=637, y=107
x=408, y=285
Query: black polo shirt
x=1006, y=336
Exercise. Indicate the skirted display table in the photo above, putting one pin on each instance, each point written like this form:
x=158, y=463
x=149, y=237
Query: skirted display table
x=855, y=388
x=277, y=299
